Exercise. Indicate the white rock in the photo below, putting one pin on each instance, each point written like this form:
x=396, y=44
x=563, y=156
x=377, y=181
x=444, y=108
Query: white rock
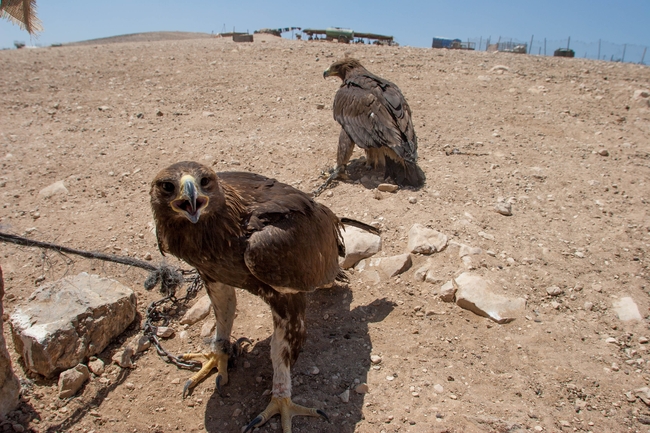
x=438, y=388
x=448, y=292
x=208, y=328
x=627, y=310
x=386, y=266
x=97, y=367
x=198, y=311
x=359, y=244
x=345, y=396
x=375, y=359
x=423, y=240
x=466, y=250
x=164, y=331
x=123, y=358
x=140, y=343
x=486, y=236
x=69, y=320
x=420, y=274
x=504, y=208
x=53, y=189
x=475, y=293
x=70, y=381
x=554, y=291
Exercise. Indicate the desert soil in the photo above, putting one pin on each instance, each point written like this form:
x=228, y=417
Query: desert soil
x=562, y=139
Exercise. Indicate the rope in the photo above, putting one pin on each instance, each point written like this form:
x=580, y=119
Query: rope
x=169, y=278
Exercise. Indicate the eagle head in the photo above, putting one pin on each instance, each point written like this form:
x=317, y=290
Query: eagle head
x=341, y=68
x=184, y=190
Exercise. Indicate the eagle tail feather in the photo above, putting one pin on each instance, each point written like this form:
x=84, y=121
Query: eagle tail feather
x=405, y=173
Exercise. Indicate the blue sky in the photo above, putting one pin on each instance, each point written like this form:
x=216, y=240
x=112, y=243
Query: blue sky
x=411, y=23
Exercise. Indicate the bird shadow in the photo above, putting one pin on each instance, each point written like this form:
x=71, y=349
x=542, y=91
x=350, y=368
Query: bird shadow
x=335, y=358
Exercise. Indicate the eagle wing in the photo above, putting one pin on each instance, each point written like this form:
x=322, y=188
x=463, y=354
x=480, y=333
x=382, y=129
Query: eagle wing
x=374, y=113
x=293, y=242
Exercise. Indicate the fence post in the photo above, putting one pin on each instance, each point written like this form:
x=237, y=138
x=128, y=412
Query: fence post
x=623, y=58
x=530, y=47
x=643, y=56
x=598, y=49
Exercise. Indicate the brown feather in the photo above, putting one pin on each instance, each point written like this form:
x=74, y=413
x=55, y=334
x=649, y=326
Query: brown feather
x=255, y=233
x=374, y=114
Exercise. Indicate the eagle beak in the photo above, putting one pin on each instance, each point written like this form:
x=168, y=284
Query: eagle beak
x=326, y=73
x=189, y=202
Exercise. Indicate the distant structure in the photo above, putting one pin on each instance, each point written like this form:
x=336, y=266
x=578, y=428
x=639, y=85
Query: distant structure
x=452, y=44
x=277, y=32
x=347, y=35
x=564, y=52
x=508, y=47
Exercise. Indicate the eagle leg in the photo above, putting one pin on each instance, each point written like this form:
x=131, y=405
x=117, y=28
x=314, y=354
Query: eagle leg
x=288, y=337
x=287, y=410
x=224, y=304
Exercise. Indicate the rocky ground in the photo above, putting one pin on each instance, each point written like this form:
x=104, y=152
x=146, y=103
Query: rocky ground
x=565, y=141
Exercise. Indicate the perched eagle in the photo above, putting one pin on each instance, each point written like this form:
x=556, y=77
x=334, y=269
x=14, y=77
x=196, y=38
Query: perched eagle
x=248, y=231
x=374, y=114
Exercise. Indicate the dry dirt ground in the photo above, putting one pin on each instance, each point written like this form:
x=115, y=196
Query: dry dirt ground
x=106, y=118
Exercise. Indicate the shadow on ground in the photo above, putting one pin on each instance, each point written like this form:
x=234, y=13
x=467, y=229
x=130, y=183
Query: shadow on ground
x=338, y=345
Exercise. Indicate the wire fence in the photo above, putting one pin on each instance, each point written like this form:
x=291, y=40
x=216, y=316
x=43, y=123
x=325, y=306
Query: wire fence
x=600, y=49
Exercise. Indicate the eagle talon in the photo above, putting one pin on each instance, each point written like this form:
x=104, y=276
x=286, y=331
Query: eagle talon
x=218, y=385
x=210, y=361
x=187, y=391
x=287, y=409
x=323, y=415
x=251, y=425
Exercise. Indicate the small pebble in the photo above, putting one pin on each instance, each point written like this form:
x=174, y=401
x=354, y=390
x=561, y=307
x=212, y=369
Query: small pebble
x=413, y=200
x=438, y=388
x=361, y=389
x=164, y=331
x=387, y=187
x=503, y=208
x=375, y=359
x=554, y=291
x=345, y=396
x=314, y=371
x=603, y=152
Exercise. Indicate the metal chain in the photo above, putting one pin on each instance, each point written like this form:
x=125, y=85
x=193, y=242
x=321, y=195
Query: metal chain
x=155, y=317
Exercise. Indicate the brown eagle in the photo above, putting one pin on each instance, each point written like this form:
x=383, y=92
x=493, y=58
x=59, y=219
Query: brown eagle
x=248, y=231
x=374, y=114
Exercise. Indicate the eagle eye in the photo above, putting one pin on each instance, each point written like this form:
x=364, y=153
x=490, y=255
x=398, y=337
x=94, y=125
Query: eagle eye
x=167, y=187
x=205, y=181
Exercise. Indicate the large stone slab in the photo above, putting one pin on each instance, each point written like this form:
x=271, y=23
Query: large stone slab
x=65, y=322
x=386, y=267
x=359, y=244
x=9, y=384
x=423, y=240
x=477, y=294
